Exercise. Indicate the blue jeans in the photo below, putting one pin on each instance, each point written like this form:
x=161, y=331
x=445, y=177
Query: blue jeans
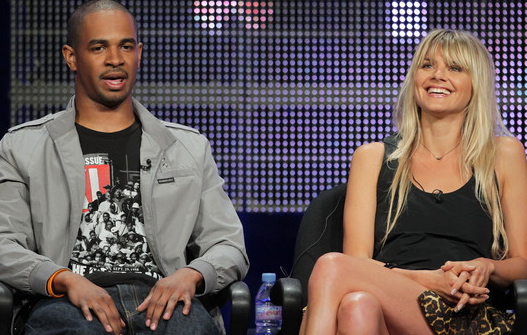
x=59, y=316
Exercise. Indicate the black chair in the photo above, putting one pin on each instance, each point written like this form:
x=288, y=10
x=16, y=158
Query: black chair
x=15, y=306
x=320, y=232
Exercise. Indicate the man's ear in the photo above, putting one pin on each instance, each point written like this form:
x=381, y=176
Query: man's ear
x=140, y=52
x=69, y=56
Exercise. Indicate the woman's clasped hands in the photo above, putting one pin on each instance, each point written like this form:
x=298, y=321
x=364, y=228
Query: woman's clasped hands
x=468, y=281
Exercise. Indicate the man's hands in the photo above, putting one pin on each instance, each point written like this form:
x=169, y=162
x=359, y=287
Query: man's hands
x=167, y=292
x=89, y=297
x=162, y=300
x=468, y=281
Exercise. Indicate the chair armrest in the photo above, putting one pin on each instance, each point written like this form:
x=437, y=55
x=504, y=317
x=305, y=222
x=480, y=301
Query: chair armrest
x=6, y=308
x=240, y=297
x=287, y=292
x=520, y=293
x=237, y=297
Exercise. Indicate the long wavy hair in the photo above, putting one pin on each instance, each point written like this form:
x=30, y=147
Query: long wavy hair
x=481, y=125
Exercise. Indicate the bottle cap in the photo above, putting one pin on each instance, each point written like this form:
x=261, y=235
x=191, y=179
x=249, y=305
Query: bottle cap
x=268, y=277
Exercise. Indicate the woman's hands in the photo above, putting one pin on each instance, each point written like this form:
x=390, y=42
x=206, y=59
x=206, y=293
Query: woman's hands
x=468, y=281
x=458, y=283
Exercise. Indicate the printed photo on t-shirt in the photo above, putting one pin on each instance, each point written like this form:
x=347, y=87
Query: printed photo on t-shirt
x=112, y=236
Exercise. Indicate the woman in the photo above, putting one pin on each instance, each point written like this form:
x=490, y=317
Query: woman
x=436, y=215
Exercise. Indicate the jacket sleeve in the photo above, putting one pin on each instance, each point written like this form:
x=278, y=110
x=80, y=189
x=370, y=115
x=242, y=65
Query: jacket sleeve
x=217, y=243
x=20, y=265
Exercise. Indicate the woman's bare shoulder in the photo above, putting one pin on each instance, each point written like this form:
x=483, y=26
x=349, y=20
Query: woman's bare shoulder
x=370, y=149
x=509, y=147
x=369, y=153
x=510, y=159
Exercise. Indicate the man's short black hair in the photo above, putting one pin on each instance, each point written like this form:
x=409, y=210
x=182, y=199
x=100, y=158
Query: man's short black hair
x=77, y=18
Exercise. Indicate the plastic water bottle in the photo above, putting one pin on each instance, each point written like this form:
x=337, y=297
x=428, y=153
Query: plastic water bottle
x=268, y=316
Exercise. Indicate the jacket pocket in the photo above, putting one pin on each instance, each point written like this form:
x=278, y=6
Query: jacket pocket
x=172, y=176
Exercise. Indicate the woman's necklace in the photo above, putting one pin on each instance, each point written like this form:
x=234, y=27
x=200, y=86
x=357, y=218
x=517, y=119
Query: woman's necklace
x=439, y=157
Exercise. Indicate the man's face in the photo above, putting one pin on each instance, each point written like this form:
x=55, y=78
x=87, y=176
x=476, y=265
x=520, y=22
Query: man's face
x=106, y=58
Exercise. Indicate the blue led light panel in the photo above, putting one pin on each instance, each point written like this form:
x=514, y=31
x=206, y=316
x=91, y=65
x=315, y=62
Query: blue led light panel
x=284, y=90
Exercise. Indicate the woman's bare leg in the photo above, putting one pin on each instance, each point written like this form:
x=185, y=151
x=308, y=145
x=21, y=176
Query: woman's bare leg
x=360, y=313
x=336, y=275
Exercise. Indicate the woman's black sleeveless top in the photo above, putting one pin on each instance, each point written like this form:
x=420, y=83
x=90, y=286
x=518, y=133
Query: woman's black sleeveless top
x=430, y=232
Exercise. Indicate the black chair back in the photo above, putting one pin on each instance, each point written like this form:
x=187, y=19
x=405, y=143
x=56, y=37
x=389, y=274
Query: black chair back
x=320, y=232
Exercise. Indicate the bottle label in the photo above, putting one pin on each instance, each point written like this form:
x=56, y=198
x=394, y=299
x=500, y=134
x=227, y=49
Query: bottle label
x=268, y=313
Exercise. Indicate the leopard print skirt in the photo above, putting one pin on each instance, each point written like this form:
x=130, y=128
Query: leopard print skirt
x=482, y=319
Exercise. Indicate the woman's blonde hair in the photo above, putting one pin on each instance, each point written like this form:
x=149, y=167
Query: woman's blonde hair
x=478, y=134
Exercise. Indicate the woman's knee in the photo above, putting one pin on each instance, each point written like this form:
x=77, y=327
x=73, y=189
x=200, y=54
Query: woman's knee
x=360, y=302
x=328, y=265
x=334, y=267
x=325, y=271
x=359, y=309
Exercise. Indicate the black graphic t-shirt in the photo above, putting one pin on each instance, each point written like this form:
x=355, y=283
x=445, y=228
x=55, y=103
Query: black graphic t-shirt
x=112, y=237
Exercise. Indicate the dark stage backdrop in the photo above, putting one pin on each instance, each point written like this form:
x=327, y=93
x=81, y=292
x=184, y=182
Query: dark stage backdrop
x=285, y=90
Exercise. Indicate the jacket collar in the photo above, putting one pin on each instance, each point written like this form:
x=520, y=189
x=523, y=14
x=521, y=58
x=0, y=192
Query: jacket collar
x=65, y=122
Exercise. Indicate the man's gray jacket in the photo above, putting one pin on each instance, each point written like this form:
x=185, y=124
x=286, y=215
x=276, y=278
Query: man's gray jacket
x=189, y=220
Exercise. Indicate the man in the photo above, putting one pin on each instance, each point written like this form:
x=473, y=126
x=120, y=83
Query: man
x=52, y=168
